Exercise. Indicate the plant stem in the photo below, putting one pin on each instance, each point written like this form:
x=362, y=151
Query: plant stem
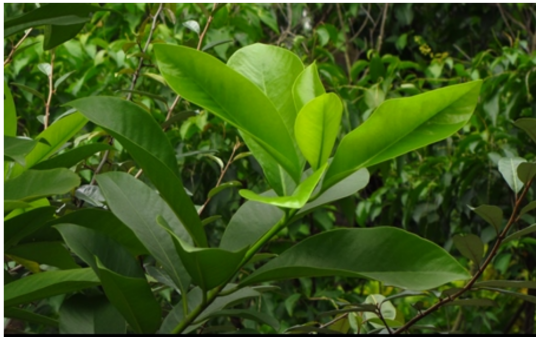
x=382, y=27
x=468, y=286
x=50, y=88
x=346, y=44
x=10, y=56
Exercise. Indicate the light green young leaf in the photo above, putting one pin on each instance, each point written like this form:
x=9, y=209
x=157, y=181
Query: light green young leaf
x=402, y=125
x=316, y=128
x=406, y=260
x=508, y=168
x=205, y=81
x=387, y=309
x=307, y=86
x=141, y=135
x=192, y=25
x=297, y=200
x=34, y=184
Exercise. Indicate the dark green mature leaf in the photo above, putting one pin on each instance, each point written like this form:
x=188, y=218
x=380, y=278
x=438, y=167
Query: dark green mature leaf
x=520, y=233
x=307, y=86
x=473, y=302
x=90, y=315
x=470, y=246
x=133, y=298
x=141, y=135
x=492, y=214
x=507, y=284
x=409, y=262
x=18, y=148
x=247, y=314
x=205, y=81
x=508, y=168
x=528, y=125
x=402, y=125
x=316, y=128
x=531, y=205
x=297, y=200
x=17, y=228
x=10, y=115
x=56, y=135
x=138, y=206
x=28, y=316
x=34, y=184
x=526, y=172
x=524, y=297
x=222, y=187
x=30, y=90
x=72, y=157
x=50, y=283
x=250, y=222
x=56, y=35
x=50, y=253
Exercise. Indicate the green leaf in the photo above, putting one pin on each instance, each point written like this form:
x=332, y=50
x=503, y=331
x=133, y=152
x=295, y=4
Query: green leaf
x=62, y=79
x=72, y=157
x=210, y=219
x=528, y=125
x=470, y=246
x=409, y=261
x=205, y=81
x=10, y=114
x=17, y=228
x=138, y=206
x=316, y=128
x=30, y=90
x=10, y=205
x=224, y=186
x=402, y=125
x=56, y=135
x=307, y=86
x=247, y=314
x=56, y=35
x=520, y=233
x=208, y=267
x=508, y=168
x=28, y=316
x=133, y=298
x=48, y=284
x=473, y=302
x=387, y=309
x=526, y=172
x=141, y=135
x=18, y=148
x=34, y=184
x=492, y=214
x=192, y=25
x=527, y=298
x=250, y=222
x=528, y=208
x=50, y=253
x=507, y=284
x=374, y=96
x=298, y=199
x=344, y=188
x=90, y=315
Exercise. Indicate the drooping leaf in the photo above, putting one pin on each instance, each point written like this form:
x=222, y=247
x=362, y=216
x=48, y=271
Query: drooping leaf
x=473, y=302
x=528, y=125
x=205, y=81
x=222, y=187
x=28, y=316
x=297, y=200
x=90, y=315
x=470, y=246
x=408, y=262
x=72, y=157
x=25, y=224
x=492, y=214
x=138, y=206
x=133, y=298
x=141, y=135
x=402, y=125
x=34, y=184
x=56, y=135
x=508, y=168
x=247, y=314
x=520, y=233
x=307, y=86
x=526, y=172
x=10, y=115
x=50, y=253
x=208, y=267
x=507, y=284
x=250, y=222
x=531, y=205
x=316, y=128
x=18, y=148
x=50, y=283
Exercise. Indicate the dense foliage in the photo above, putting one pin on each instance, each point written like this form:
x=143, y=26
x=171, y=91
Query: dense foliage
x=351, y=168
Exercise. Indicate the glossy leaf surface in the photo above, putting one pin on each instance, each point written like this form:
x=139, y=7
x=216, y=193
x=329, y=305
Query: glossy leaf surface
x=307, y=86
x=402, y=125
x=410, y=261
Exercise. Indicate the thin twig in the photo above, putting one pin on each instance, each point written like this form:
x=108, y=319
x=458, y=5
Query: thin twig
x=379, y=313
x=10, y=56
x=50, y=88
x=382, y=27
x=346, y=44
x=288, y=30
x=202, y=36
x=468, y=286
x=505, y=20
x=461, y=51
x=333, y=321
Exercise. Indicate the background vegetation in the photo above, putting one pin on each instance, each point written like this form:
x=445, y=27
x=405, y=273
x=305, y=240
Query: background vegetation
x=365, y=53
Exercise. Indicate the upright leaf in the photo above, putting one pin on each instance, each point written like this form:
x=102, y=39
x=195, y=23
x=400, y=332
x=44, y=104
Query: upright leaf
x=316, y=128
x=141, y=135
x=307, y=86
x=402, y=125
x=508, y=168
x=385, y=254
x=90, y=315
x=205, y=81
